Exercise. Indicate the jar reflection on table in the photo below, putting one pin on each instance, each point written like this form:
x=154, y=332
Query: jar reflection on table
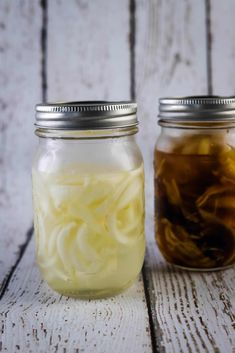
x=88, y=189
x=195, y=192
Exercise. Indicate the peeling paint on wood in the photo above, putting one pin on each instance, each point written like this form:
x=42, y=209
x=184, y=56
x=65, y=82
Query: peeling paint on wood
x=88, y=50
x=20, y=89
x=208, y=47
x=44, y=7
x=170, y=61
x=195, y=310
x=21, y=250
x=36, y=318
x=107, y=50
x=132, y=39
x=223, y=46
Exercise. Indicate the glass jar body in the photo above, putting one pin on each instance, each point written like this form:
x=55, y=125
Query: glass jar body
x=195, y=196
x=89, y=213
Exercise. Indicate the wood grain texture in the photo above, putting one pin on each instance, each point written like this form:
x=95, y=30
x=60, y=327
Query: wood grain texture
x=170, y=61
x=190, y=312
x=20, y=90
x=88, y=50
x=35, y=319
x=223, y=46
x=85, y=56
x=195, y=311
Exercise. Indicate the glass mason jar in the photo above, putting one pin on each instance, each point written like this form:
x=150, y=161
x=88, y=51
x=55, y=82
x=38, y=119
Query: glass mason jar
x=88, y=191
x=195, y=182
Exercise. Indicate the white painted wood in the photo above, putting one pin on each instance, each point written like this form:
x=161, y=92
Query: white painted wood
x=20, y=89
x=88, y=58
x=191, y=312
x=195, y=311
x=88, y=50
x=223, y=46
x=170, y=61
x=36, y=319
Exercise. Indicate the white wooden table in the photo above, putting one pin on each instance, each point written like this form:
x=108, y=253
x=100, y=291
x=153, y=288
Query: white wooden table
x=105, y=49
x=166, y=310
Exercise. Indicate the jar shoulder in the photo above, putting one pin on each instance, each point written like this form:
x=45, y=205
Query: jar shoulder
x=193, y=141
x=104, y=155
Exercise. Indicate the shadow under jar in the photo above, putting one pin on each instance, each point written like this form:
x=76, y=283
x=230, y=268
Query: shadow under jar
x=88, y=191
x=195, y=182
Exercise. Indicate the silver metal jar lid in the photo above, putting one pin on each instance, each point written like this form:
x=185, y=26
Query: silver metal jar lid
x=89, y=115
x=197, y=108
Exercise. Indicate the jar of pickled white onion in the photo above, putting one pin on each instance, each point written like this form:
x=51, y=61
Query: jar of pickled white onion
x=195, y=182
x=88, y=192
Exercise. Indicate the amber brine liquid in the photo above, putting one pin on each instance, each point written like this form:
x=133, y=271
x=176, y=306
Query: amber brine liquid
x=195, y=203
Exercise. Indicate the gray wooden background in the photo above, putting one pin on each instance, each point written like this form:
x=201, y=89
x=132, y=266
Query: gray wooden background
x=113, y=50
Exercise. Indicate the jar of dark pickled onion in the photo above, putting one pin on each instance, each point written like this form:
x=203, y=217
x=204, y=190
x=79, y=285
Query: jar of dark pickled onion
x=195, y=182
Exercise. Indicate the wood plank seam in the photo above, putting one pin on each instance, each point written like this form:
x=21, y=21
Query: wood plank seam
x=29, y=233
x=153, y=323
x=22, y=249
x=209, y=47
x=132, y=36
x=132, y=41
x=44, y=7
x=155, y=329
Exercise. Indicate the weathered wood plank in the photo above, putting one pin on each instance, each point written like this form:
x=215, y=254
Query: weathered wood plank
x=88, y=50
x=35, y=319
x=194, y=310
x=89, y=59
x=170, y=61
x=20, y=26
x=187, y=308
x=222, y=46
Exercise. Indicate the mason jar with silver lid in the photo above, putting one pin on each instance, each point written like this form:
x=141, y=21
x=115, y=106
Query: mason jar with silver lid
x=195, y=182
x=88, y=191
